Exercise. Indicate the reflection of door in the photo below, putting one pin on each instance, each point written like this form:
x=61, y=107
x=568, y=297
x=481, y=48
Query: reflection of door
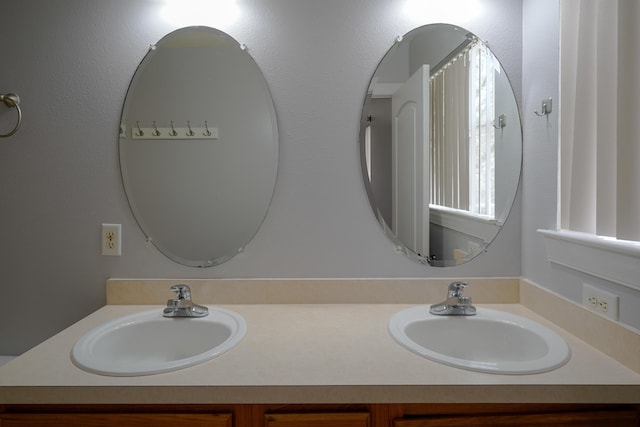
x=410, y=162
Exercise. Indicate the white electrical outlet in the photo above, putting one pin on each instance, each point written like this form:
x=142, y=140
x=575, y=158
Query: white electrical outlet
x=111, y=240
x=600, y=301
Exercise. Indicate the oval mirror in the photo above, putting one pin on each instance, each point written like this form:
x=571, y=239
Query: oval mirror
x=441, y=145
x=198, y=146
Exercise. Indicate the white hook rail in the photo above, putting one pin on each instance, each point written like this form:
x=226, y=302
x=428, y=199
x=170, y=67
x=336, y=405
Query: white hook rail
x=172, y=132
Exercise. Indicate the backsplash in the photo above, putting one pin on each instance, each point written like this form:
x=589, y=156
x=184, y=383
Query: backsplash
x=311, y=291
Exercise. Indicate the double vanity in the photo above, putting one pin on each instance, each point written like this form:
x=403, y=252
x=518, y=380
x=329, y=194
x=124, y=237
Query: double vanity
x=346, y=352
x=308, y=347
x=453, y=332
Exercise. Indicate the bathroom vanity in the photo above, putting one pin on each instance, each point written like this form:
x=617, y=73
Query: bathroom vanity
x=360, y=415
x=319, y=358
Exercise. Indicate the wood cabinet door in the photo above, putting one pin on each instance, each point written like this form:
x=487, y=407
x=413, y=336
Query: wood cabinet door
x=115, y=420
x=358, y=419
x=567, y=419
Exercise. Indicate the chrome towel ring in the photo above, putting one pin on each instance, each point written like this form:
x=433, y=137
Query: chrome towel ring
x=12, y=100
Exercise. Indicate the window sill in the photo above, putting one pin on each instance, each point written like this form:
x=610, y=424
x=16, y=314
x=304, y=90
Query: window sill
x=607, y=258
x=481, y=227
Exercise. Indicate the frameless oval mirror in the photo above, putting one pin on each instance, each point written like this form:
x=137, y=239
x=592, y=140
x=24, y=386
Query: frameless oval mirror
x=198, y=146
x=441, y=145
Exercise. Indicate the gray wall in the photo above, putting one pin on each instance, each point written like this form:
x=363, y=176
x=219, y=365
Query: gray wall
x=71, y=61
x=539, y=172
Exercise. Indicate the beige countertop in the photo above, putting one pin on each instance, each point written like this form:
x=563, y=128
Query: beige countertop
x=313, y=353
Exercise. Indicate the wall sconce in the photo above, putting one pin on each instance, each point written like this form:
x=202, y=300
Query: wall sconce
x=213, y=13
x=459, y=11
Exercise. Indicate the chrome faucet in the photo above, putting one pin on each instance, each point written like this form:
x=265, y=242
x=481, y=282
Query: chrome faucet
x=182, y=306
x=456, y=303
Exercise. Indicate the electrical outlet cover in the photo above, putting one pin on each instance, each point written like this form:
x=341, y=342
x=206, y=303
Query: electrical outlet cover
x=111, y=239
x=602, y=302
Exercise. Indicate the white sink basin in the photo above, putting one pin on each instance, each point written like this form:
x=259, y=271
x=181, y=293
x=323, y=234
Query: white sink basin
x=491, y=341
x=147, y=343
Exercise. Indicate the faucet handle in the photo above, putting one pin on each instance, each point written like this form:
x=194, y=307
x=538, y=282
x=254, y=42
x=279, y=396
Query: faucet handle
x=182, y=291
x=456, y=288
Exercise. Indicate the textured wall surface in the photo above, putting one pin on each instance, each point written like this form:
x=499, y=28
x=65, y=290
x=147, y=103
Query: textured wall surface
x=71, y=62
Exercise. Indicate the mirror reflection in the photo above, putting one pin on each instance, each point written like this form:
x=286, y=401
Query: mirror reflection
x=441, y=145
x=198, y=146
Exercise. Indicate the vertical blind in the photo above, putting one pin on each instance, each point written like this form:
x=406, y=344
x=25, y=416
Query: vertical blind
x=450, y=135
x=482, y=156
x=600, y=117
x=462, y=132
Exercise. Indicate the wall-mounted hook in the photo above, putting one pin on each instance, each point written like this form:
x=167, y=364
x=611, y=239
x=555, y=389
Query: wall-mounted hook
x=501, y=122
x=139, y=132
x=190, y=132
x=546, y=108
x=173, y=130
x=12, y=100
x=155, y=132
x=207, y=132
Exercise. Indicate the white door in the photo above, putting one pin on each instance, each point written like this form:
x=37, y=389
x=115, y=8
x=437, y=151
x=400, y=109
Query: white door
x=410, y=162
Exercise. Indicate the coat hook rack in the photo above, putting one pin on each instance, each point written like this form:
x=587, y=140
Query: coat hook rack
x=546, y=108
x=12, y=100
x=172, y=131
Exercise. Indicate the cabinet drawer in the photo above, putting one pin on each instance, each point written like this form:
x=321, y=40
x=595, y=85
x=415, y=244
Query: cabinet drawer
x=568, y=419
x=359, y=419
x=115, y=420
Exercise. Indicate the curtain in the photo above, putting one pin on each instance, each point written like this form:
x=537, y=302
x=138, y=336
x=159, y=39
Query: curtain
x=600, y=117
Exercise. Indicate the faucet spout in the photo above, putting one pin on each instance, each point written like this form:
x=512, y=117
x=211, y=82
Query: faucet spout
x=182, y=306
x=456, y=303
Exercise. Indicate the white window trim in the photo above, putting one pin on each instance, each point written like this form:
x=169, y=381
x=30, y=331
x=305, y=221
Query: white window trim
x=604, y=257
x=480, y=226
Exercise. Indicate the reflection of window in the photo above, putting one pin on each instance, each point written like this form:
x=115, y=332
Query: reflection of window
x=462, y=133
x=367, y=149
x=482, y=157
